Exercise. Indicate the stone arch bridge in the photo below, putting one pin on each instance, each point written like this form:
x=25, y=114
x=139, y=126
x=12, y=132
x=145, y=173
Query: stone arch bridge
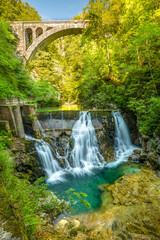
x=37, y=35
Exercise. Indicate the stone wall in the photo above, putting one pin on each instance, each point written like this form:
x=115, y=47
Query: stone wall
x=15, y=116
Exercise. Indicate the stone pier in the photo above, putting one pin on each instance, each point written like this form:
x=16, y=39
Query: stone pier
x=14, y=113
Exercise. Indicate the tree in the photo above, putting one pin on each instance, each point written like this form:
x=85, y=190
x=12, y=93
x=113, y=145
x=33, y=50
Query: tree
x=16, y=10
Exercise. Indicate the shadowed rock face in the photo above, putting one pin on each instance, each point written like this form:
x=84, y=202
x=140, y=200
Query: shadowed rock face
x=130, y=210
x=26, y=160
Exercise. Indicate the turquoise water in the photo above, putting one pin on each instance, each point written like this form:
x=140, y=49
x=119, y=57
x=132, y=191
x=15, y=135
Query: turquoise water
x=89, y=184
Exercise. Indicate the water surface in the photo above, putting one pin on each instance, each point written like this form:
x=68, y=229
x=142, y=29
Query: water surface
x=89, y=184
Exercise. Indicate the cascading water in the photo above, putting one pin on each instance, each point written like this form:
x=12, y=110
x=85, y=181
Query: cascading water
x=41, y=129
x=84, y=159
x=85, y=154
x=122, y=142
x=45, y=153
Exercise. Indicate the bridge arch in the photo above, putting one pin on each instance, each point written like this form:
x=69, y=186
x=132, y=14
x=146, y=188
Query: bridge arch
x=39, y=32
x=45, y=39
x=28, y=37
x=37, y=35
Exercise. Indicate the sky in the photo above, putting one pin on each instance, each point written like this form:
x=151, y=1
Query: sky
x=58, y=9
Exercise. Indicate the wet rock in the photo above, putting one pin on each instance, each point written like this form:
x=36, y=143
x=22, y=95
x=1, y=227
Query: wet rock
x=26, y=160
x=131, y=121
x=150, y=154
x=105, y=137
x=134, y=158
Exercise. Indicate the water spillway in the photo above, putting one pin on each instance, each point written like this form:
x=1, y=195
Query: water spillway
x=81, y=159
x=85, y=154
x=82, y=165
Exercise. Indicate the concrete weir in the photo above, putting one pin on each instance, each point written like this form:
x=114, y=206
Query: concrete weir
x=15, y=114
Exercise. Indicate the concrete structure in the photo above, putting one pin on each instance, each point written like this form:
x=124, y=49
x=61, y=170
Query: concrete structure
x=17, y=115
x=37, y=35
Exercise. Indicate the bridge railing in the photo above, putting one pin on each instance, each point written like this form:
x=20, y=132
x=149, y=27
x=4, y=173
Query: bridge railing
x=13, y=101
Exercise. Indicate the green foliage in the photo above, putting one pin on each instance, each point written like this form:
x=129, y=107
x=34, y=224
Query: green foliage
x=16, y=10
x=44, y=93
x=21, y=197
x=73, y=197
x=148, y=115
x=115, y=61
x=131, y=32
x=5, y=140
x=24, y=201
x=59, y=65
x=14, y=79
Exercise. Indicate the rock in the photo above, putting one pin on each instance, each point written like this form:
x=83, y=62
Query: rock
x=131, y=121
x=143, y=157
x=151, y=152
x=116, y=225
x=61, y=224
x=137, y=151
x=134, y=158
x=76, y=223
x=27, y=161
x=105, y=137
x=7, y=235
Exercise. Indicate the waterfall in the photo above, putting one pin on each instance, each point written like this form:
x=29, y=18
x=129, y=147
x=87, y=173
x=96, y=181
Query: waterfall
x=41, y=129
x=50, y=165
x=80, y=160
x=46, y=156
x=85, y=154
x=122, y=142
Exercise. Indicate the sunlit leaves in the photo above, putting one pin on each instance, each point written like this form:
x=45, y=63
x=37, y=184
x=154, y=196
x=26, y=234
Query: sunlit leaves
x=16, y=10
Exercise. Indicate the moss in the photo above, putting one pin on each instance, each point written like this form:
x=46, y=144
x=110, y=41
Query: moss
x=75, y=231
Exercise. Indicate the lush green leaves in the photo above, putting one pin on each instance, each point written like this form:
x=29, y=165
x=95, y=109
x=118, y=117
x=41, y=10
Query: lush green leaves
x=14, y=80
x=17, y=10
x=60, y=65
x=132, y=35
